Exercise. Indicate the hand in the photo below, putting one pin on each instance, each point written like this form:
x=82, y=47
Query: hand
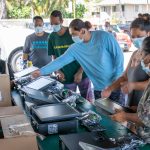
x=60, y=75
x=77, y=77
x=25, y=64
x=106, y=93
x=36, y=74
x=120, y=116
x=127, y=87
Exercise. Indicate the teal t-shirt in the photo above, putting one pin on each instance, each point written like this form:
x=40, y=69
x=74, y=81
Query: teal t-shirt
x=57, y=45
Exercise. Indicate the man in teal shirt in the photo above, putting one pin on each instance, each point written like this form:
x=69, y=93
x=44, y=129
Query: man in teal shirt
x=97, y=52
x=59, y=41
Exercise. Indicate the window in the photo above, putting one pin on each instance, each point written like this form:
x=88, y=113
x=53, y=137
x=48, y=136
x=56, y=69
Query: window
x=136, y=8
x=114, y=8
x=104, y=9
x=123, y=7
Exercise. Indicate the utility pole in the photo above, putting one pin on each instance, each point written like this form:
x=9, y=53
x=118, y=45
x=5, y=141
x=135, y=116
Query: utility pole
x=74, y=8
x=120, y=10
x=147, y=6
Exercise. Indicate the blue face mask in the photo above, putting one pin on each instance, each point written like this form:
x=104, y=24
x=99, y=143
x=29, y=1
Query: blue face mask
x=39, y=29
x=146, y=69
x=138, y=42
x=56, y=28
x=77, y=39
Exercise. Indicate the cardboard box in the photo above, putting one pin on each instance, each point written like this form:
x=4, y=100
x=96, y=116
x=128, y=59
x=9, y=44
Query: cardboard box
x=5, y=96
x=10, y=111
x=18, y=134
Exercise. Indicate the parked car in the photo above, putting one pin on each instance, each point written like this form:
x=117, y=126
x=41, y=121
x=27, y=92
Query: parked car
x=11, y=45
x=125, y=28
x=124, y=41
x=123, y=38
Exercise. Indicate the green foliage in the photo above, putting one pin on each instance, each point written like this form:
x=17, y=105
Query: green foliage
x=24, y=8
x=17, y=9
x=80, y=11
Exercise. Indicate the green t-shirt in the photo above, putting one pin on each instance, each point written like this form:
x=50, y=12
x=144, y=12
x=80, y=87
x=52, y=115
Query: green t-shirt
x=57, y=45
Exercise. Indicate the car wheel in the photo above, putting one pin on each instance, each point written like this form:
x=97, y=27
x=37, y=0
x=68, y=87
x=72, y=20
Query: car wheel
x=15, y=59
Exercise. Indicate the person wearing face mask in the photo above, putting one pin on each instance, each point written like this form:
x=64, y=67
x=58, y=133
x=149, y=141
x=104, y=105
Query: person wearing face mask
x=72, y=74
x=35, y=47
x=134, y=79
x=141, y=118
x=97, y=52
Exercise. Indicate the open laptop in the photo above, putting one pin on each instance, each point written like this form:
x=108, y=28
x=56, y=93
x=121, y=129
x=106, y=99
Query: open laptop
x=25, y=72
x=40, y=83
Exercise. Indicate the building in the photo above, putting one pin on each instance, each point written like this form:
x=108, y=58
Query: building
x=123, y=10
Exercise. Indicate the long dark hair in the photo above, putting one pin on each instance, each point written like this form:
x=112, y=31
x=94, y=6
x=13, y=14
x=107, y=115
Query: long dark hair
x=146, y=45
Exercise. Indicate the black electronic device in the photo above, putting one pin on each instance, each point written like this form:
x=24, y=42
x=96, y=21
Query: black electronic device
x=58, y=127
x=28, y=106
x=109, y=106
x=55, y=112
x=43, y=89
x=97, y=139
x=40, y=98
x=54, y=119
x=95, y=128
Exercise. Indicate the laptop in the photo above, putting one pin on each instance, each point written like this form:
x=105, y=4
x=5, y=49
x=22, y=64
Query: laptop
x=110, y=106
x=40, y=83
x=25, y=72
x=77, y=141
x=55, y=112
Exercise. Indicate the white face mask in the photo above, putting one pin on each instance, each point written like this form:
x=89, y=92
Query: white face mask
x=77, y=39
x=56, y=28
x=39, y=29
x=138, y=42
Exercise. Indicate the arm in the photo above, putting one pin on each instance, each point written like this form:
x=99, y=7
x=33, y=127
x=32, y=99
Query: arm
x=78, y=75
x=25, y=56
x=26, y=49
x=80, y=70
x=58, y=63
x=122, y=116
x=140, y=85
x=130, y=86
x=133, y=117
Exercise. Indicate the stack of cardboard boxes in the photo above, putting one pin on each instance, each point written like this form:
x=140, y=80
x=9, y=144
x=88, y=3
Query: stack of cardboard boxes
x=16, y=132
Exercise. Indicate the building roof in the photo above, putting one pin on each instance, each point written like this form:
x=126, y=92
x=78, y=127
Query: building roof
x=115, y=2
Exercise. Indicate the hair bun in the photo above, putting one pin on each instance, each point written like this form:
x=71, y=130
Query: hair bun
x=146, y=17
x=88, y=25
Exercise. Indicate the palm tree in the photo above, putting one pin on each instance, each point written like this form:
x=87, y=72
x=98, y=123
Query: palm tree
x=45, y=7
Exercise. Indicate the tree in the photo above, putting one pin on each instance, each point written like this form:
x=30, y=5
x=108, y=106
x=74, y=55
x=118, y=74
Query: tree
x=3, y=9
x=45, y=7
x=18, y=9
x=80, y=11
